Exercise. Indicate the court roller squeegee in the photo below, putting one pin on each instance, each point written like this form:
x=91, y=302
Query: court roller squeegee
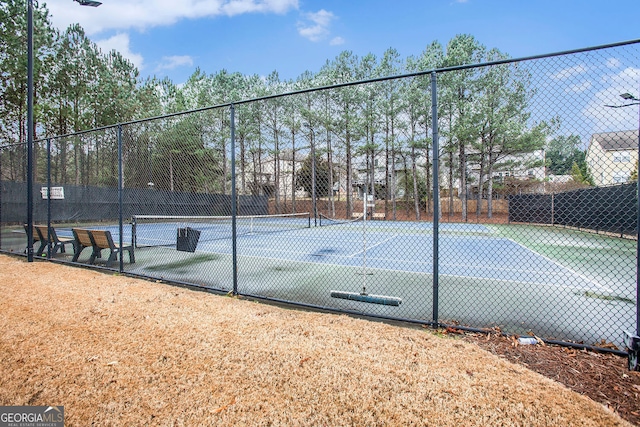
x=370, y=298
x=363, y=296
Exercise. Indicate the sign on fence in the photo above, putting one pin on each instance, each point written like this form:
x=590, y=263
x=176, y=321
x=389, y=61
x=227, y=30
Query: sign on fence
x=57, y=193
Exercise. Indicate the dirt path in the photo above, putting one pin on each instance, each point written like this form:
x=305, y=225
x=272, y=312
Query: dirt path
x=120, y=351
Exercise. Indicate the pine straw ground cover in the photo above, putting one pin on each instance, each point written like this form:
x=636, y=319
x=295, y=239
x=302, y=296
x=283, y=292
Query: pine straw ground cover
x=120, y=351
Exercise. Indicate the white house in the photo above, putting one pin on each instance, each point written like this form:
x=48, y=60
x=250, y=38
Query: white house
x=612, y=156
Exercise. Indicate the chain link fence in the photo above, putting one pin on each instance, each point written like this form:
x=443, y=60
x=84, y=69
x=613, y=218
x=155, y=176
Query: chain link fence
x=521, y=217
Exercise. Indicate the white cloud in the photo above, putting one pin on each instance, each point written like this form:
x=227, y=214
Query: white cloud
x=120, y=43
x=336, y=41
x=570, y=72
x=171, y=62
x=613, y=63
x=316, y=26
x=144, y=14
x=580, y=87
x=613, y=119
x=238, y=7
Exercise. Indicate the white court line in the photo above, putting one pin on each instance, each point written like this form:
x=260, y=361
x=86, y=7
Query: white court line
x=386, y=270
x=373, y=246
x=429, y=263
x=324, y=239
x=604, y=288
x=567, y=274
x=551, y=285
x=471, y=266
x=392, y=260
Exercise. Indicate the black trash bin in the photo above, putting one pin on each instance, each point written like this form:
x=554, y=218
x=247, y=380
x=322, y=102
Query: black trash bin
x=187, y=239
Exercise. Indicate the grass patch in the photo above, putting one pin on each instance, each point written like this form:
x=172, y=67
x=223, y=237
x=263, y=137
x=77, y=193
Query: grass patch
x=604, y=297
x=184, y=262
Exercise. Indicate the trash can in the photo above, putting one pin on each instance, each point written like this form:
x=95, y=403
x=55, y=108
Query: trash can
x=187, y=239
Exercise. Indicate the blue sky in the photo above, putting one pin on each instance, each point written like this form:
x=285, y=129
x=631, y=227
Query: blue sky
x=173, y=37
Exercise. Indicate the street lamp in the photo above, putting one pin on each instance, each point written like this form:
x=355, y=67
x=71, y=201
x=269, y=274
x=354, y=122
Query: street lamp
x=633, y=341
x=30, y=121
x=627, y=97
x=89, y=3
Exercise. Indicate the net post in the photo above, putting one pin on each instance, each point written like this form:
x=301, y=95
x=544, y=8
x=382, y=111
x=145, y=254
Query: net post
x=134, y=240
x=234, y=202
x=436, y=194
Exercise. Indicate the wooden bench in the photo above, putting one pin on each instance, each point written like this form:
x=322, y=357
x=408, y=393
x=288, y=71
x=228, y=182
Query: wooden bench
x=36, y=238
x=48, y=234
x=83, y=240
x=101, y=239
x=378, y=215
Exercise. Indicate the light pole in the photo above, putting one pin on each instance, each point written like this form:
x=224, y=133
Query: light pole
x=633, y=341
x=312, y=145
x=89, y=3
x=30, y=129
x=314, y=190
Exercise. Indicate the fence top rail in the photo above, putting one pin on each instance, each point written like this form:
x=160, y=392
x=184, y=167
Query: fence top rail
x=355, y=83
x=17, y=144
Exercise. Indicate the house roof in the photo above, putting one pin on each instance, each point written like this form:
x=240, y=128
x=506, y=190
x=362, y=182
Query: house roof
x=621, y=140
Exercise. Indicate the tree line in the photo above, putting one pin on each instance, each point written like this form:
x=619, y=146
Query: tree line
x=375, y=134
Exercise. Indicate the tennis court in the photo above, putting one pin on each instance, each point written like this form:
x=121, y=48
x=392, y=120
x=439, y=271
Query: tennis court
x=509, y=276
x=466, y=250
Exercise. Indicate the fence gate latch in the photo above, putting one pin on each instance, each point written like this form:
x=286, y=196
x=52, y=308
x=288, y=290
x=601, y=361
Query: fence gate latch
x=633, y=349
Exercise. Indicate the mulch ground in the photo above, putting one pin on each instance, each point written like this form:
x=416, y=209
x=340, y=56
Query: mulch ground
x=603, y=377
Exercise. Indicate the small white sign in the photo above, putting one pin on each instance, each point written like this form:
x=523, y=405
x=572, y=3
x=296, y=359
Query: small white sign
x=57, y=193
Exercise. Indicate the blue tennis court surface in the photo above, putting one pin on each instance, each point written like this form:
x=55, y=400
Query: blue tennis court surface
x=466, y=250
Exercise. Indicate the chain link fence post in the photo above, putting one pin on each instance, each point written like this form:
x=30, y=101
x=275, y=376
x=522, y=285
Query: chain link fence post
x=49, y=197
x=436, y=195
x=120, y=199
x=234, y=200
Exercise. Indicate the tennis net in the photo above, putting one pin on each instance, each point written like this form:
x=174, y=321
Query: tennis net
x=161, y=230
x=326, y=221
